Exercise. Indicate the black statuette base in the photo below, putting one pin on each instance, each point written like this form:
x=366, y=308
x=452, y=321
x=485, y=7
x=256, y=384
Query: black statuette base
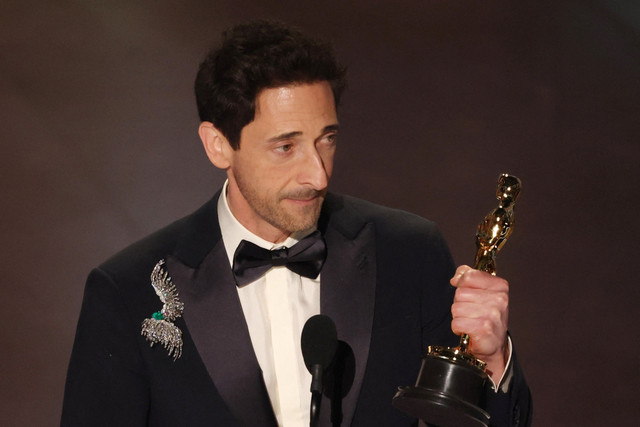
x=447, y=393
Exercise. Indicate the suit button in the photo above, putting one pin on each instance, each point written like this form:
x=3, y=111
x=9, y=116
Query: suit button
x=516, y=415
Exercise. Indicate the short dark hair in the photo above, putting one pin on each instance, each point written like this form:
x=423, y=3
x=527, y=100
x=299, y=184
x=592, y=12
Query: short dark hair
x=256, y=56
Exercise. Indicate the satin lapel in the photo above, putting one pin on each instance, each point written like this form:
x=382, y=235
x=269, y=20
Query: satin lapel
x=215, y=321
x=347, y=296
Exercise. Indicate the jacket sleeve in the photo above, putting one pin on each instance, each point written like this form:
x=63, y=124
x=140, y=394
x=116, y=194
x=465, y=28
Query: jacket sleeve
x=515, y=407
x=106, y=380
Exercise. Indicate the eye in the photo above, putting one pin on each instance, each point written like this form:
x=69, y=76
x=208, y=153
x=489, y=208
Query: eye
x=331, y=138
x=284, y=148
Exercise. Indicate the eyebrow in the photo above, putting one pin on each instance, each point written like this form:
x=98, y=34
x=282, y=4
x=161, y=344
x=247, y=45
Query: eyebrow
x=331, y=128
x=289, y=135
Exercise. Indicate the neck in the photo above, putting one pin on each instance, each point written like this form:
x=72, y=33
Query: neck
x=261, y=229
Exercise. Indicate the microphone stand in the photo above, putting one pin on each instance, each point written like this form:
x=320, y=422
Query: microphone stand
x=316, y=394
x=319, y=341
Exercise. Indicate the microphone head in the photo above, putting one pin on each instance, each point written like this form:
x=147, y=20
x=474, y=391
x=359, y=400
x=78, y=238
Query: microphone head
x=319, y=341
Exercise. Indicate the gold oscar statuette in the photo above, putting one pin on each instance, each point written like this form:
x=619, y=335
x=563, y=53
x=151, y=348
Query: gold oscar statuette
x=451, y=384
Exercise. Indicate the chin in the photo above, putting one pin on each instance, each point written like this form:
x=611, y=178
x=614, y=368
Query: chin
x=300, y=223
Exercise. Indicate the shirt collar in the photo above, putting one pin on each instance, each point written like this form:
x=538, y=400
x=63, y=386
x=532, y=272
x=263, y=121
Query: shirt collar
x=233, y=232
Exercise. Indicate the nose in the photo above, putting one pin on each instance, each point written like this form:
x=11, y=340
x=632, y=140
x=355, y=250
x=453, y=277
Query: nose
x=314, y=170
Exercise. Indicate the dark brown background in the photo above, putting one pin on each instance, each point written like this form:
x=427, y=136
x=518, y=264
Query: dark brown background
x=99, y=148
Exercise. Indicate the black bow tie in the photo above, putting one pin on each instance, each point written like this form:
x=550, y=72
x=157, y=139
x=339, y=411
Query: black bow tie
x=304, y=258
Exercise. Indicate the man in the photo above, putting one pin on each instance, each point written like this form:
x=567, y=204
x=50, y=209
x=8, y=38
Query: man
x=225, y=348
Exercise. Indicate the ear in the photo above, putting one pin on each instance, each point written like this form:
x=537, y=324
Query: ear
x=216, y=145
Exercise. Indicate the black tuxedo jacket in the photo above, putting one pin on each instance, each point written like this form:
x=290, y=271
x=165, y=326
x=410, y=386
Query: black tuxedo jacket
x=384, y=283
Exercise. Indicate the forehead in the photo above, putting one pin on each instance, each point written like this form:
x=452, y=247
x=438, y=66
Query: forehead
x=297, y=101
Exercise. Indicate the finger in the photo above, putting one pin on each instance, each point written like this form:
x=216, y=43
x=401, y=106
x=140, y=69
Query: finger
x=496, y=315
x=480, y=280
x=479, y=329
x=482, y=296
x=476, y=328
x=458, y=274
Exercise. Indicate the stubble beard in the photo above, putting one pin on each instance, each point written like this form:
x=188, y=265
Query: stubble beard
x=274, y=211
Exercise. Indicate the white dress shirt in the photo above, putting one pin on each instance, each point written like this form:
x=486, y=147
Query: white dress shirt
x=276, y=307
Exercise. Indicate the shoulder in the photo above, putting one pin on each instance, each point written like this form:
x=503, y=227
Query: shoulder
x=189, y=238
x=390, y=223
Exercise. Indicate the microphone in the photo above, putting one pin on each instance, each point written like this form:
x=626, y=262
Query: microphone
x=319, y=343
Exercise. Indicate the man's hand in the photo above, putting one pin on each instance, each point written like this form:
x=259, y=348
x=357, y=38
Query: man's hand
x=481, y=309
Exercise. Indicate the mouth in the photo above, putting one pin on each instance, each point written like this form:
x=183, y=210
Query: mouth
x=304, y=202
x=305, y=198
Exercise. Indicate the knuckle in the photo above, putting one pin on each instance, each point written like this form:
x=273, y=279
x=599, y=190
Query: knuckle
x=455, y=309
x=503, y=300
x=462, y=269
x=460, y=294
x=471, y=274
x=455, y=326
x=462, y=281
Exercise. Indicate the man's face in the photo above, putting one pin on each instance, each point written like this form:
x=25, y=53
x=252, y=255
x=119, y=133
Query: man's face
x=279, y=175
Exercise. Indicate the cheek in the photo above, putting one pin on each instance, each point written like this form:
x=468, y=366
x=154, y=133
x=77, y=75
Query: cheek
x=272, y=179
x=252, y=168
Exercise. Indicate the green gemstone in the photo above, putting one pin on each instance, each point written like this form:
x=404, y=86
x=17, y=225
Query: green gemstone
x=158, y=315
